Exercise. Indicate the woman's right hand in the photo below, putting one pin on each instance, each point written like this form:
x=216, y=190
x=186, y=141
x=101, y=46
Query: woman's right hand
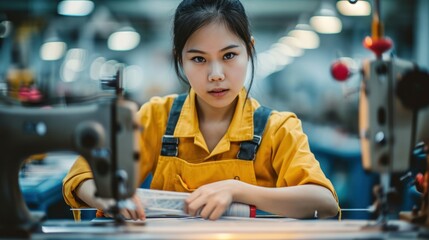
x=86, y=193
x=135, y=211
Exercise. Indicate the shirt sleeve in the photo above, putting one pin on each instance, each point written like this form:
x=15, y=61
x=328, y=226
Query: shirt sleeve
x=79, y=172
x=292, y=158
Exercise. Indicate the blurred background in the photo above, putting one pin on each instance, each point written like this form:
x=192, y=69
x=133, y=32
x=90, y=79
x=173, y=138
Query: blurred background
x=63, y=48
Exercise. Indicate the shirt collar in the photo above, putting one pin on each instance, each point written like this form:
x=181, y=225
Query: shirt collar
x=240, y=129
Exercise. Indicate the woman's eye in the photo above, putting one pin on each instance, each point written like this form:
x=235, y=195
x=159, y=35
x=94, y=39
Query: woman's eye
x=229, y=56
x=198, y=59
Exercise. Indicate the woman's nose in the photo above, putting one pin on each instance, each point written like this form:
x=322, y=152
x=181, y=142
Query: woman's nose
x=216, y=73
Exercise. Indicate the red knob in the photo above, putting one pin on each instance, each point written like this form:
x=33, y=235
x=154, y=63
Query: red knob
x=378, y=46
x=340, y=71
x=420, y=182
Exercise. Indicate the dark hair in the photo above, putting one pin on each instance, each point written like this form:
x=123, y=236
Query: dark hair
x=191, y=15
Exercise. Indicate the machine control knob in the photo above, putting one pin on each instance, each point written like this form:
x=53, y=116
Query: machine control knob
x=380, y=138
x=413, y=88
x=89, y=135
x=340, y=71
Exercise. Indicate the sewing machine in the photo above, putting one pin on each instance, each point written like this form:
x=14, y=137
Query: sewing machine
x=388, y=120
x=391, y=94
x=102, y=131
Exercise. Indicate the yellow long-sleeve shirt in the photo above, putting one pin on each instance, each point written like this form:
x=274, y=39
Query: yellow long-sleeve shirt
x=283, y=158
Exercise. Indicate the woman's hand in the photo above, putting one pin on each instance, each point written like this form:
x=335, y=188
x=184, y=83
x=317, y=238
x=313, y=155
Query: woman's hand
x=86, y=191
x=135, y=211
x=212, y=200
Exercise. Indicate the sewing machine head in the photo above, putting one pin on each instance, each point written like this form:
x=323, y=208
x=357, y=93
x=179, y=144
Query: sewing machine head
x=386, y=124
x=102, y=131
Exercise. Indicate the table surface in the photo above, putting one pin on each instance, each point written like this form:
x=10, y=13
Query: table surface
x=229, y=228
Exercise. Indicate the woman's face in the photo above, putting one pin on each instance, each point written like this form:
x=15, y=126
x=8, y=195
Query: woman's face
x=215, y=62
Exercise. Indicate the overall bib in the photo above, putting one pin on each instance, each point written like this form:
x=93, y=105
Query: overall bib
x=175, y=174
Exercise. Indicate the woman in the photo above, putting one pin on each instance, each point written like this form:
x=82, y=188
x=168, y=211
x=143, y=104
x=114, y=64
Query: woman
x=208, y=142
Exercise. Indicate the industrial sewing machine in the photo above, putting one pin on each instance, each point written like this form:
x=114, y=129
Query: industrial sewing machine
x=102, y=131
x=392, y=92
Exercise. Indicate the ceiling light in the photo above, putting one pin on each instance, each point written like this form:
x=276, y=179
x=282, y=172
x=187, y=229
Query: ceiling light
x=123, y=40
x=325, y=20
x=287, y=50
x=307, y=38
x=75, y=7
x=326, y=24
x=52, y=50
x=360, y=8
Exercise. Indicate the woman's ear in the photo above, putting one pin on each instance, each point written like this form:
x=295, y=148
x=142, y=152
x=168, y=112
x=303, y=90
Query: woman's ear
x=252, y=40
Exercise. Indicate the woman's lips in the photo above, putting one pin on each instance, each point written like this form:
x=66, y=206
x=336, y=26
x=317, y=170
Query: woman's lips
x=218, y=92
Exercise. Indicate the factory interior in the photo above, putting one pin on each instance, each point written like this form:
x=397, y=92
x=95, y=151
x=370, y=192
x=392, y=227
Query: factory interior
x=56, y=54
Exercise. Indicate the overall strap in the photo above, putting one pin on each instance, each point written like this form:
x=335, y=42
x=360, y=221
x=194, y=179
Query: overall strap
x=248, y=148
x=170, y=143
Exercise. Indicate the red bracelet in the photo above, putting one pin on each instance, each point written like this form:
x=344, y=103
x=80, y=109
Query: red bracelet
x=252, y=213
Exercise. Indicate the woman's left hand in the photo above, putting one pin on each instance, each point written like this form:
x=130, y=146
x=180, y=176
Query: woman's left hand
x=212, y=200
